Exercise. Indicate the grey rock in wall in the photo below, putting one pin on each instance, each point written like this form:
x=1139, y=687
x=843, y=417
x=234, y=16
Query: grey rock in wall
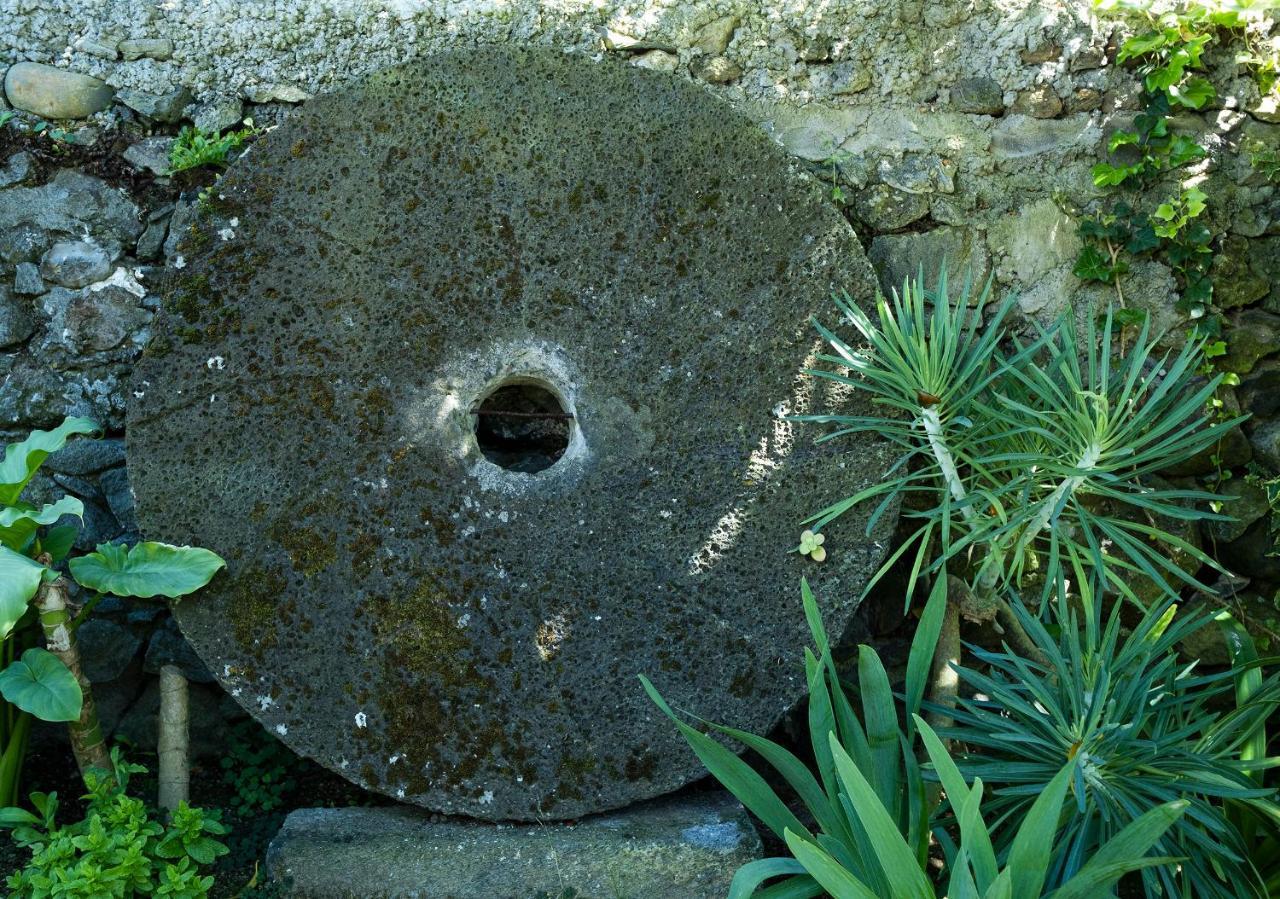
x=53, y=93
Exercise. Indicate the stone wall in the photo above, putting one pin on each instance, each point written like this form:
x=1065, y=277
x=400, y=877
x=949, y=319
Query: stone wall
x=962, y=131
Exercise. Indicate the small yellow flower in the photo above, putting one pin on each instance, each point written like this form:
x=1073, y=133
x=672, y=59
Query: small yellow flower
x=811, y=546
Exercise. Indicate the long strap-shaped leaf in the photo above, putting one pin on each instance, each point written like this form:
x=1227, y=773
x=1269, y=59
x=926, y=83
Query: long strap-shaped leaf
x=896, y=858
x=736, y=775
x=826, y=871
x=747, y=879
x=1028, y=862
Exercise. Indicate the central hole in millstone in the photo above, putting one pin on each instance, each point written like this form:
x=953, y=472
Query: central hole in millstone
x=522, y=427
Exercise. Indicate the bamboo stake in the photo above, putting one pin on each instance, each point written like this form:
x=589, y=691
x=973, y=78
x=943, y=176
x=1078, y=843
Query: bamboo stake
x=175, y=768
x=87, y=744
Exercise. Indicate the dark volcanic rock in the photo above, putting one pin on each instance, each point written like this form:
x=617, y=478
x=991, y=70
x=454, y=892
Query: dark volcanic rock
x=407, y=612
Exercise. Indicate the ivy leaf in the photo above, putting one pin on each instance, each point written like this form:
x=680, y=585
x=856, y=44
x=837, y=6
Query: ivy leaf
x=40, y=684
x=1143, y=240
x=19, y=580
x=1091, y=265
x=22, y=459
x=1194, y=93
x=146, y=570
x=1127, y=318
x=1183, y=150
x=1106, y=175
x=1141, y=45
x=1121, y=139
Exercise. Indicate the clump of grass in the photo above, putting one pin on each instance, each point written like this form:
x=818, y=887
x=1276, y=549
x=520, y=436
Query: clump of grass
x=195, y=148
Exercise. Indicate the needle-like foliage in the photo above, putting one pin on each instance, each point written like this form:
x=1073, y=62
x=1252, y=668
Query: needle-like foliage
x=1146, y=729
x=872, y=809
x=1025, y=456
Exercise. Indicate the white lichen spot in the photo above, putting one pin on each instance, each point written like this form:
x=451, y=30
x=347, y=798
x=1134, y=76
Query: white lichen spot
x=226, y=233
x=464, y=619
x=179, y=262
x=395, y=758
x=123, y=279
x=550, y=635
x=361, y=719
x=234, y=223
x=281, y=729
x=400, y=793
x=215, y=362
x=487, y=797
x=265, y=702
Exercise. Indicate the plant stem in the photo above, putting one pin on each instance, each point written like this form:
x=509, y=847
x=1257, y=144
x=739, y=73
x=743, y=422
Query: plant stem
x=87, y=744
x=942, y=454
x=175, y=770
x=15, y=752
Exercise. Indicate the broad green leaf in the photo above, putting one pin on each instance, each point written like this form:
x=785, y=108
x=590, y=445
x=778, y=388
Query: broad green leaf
x=146, y=570
x=19, y=580
x=974, y=835
x=826, y=870
x=16, y=817
x=22, y=459
x=58, y=541
x=17, y=523
x=40, y=684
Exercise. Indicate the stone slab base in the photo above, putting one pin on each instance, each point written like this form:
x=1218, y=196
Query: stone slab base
x=686, y=847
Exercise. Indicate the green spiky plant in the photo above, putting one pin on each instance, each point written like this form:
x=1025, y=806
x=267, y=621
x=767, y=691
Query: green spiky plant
x=1030, y=458
x=872, y=806
x=1145, y=727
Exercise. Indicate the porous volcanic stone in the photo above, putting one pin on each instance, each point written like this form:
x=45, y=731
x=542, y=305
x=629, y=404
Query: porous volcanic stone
x=399, y=608
x=686, y=847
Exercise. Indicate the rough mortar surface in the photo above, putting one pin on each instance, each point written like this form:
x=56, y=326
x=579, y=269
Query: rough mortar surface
x=395, y=606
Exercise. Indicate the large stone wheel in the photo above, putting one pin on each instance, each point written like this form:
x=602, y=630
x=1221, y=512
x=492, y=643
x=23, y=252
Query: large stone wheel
x=440, y=599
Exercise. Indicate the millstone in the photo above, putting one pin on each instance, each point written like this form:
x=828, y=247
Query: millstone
x=615, y=273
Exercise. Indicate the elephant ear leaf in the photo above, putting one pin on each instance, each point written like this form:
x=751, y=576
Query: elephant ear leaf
x=19, y=580
x=146, y=569
x=22, y=459
x=18, y=523
x=40, y=684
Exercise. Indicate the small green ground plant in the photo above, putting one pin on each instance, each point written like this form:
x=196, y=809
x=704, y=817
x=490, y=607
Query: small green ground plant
x=194, y=148
x=119, y=849
x=257, y=768
x=45, y=681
